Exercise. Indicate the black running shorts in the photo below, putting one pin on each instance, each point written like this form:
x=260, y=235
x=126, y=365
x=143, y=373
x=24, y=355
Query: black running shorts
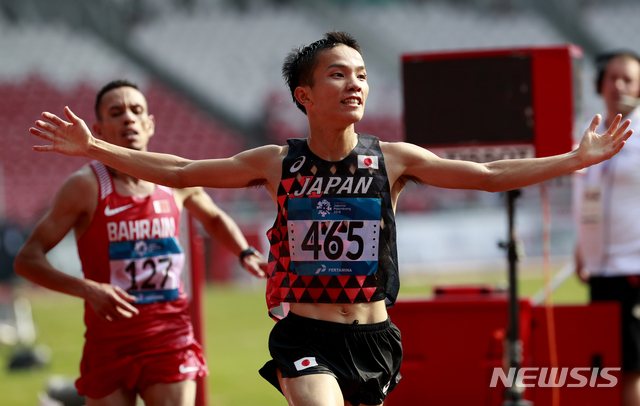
x=618, y=288
x=364, y=358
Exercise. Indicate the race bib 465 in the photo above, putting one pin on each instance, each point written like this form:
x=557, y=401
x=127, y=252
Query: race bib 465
x=334, y=236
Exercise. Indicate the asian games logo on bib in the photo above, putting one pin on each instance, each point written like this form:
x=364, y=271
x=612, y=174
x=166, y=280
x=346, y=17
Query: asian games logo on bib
x=140, y=248
x=323, y=207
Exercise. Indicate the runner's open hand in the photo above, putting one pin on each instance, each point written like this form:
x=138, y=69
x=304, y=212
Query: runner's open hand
x=68, y=138
x=595, y=148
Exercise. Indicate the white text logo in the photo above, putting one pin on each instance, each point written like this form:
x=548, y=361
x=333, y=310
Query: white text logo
x=298, y=164
x=532, y=377
x=162, y=227
x=186, y=370
x=110, y=212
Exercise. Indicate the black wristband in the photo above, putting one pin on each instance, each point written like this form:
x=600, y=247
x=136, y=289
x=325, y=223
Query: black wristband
x=245, y=253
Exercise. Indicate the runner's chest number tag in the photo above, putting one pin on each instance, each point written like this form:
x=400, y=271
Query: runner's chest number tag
x=334, y=236
x=147, y=269
x=592, y=205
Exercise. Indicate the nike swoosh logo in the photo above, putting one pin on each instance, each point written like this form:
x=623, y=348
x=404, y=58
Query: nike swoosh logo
x=110, y=212
x=185, y=370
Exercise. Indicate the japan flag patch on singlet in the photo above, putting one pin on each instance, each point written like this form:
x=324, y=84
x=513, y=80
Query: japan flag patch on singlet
x=367, y=161
x=306, y=362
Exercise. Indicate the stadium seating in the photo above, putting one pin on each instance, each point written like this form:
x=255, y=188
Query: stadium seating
x=30, y=179
x=234, y=56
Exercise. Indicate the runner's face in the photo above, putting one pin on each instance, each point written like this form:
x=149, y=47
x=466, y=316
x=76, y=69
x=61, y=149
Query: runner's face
x=124, y=119
x=340, y=87
x=621, y=78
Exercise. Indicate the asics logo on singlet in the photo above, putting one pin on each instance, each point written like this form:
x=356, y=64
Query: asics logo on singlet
x=110, y=212
x=298, y=164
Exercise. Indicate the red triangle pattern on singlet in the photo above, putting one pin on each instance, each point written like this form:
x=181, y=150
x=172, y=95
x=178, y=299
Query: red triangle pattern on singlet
x=286, y=183
x=281, y=200
x=340, y=289
x=298, y=293
x=343, y=279
x=315, y=293
x=352, y=293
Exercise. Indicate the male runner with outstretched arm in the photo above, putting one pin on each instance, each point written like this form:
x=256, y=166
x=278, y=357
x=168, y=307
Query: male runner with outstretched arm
x=333, y=264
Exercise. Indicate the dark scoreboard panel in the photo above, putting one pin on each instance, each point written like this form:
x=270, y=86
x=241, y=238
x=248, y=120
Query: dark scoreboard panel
x=490, y=104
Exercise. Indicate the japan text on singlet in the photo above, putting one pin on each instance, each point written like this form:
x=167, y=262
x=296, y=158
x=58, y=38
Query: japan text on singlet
x=133, y=242
x=334, y=238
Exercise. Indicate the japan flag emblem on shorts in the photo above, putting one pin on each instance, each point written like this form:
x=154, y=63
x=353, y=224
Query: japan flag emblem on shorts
x=367, y=161
x=306, y=362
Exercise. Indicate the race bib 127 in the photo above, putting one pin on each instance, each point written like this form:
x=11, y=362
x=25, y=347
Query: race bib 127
x=148, y=269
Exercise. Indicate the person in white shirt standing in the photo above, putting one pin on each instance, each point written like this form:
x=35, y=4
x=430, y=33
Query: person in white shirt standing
x=607, y=205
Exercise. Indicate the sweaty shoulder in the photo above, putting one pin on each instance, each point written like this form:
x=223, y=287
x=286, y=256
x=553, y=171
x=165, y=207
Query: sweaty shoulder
x=83, y=183
x=401, y=151
x=269, y=153
x=401, y=157
x=268, y=160
x=78, y=196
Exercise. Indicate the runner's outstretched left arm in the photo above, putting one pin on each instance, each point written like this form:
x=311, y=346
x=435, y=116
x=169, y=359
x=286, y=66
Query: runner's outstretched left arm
x=74, y=138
